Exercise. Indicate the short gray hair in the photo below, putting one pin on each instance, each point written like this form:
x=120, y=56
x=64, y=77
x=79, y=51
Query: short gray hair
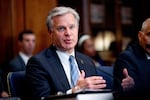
x=58, y=11
x=145, y=24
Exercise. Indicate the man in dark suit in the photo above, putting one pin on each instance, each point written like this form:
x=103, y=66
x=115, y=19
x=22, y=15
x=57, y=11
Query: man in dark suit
x=26, y=40
x=48, y=73
x=132, y=67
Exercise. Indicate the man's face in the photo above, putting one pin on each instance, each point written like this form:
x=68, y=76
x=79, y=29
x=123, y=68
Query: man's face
x=64, y=32
x=144, y=39
x=28, y=43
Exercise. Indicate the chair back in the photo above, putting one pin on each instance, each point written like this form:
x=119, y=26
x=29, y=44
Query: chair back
x=107, y=73
x=16, y=84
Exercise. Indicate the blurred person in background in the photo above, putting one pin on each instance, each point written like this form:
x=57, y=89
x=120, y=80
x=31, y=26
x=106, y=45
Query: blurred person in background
x=86, y=46
x=26, y=40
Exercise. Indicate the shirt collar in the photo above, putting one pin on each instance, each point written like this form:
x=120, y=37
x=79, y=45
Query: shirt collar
x=64, y=53
x=24, y=57
x=148, y=56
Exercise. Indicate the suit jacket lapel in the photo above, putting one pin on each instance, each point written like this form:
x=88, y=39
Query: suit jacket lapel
x=22, y=63
x=80, y=63
x=85, y=65
x=58, y=68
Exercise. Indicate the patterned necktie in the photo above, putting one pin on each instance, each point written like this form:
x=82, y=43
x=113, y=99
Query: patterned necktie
x=73, y=71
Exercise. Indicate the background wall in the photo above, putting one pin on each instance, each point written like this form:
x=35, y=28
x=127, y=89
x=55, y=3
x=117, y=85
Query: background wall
x=17, y=15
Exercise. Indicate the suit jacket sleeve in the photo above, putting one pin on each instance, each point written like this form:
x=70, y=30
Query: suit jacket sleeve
x=125, y=60
x=37, y=82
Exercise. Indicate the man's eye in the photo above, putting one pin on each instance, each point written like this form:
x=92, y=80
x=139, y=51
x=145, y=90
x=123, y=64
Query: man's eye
x=61, y=28
x=72, y=26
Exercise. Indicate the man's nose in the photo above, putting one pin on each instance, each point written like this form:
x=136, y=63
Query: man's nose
x=68, y=31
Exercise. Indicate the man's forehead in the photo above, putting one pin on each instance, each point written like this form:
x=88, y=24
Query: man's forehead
x=147, y=28
x=28, y=36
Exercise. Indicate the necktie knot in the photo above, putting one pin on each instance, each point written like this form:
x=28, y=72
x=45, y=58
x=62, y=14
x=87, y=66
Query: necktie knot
x=73, y=71
x=71, y=59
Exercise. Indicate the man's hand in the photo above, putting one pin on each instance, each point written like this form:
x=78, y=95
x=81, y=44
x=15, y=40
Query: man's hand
x=93, y=82
x=4, y=94
x=127, y=82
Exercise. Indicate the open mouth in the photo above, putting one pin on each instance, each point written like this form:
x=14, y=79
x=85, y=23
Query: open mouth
x=148, y=46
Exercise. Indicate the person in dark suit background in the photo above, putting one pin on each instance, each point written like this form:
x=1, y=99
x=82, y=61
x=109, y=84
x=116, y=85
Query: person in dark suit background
x=26, y=41
x=48, y=72
x=132, y=67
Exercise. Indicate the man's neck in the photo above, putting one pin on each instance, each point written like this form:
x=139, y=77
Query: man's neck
x=148, y=56
x=25, y=54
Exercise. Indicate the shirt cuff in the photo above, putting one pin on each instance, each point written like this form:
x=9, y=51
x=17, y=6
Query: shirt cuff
x=69, y=91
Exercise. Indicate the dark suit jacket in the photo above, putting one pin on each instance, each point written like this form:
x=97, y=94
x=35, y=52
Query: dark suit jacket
x=45, y=74
x=16, y=64
x=107, y=73
x=1, y=82
x=138, y=66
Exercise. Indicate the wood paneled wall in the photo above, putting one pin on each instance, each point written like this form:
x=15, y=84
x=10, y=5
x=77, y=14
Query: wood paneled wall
x=16, y=15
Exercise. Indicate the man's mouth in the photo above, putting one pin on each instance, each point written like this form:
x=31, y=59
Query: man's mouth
x=148, y=46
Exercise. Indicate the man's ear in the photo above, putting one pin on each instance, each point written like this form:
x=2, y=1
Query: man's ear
x=140, y=35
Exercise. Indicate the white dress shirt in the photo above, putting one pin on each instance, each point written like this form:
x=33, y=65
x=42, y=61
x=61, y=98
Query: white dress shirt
x=24, y=57
x=148, y=56
x=64, y=58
